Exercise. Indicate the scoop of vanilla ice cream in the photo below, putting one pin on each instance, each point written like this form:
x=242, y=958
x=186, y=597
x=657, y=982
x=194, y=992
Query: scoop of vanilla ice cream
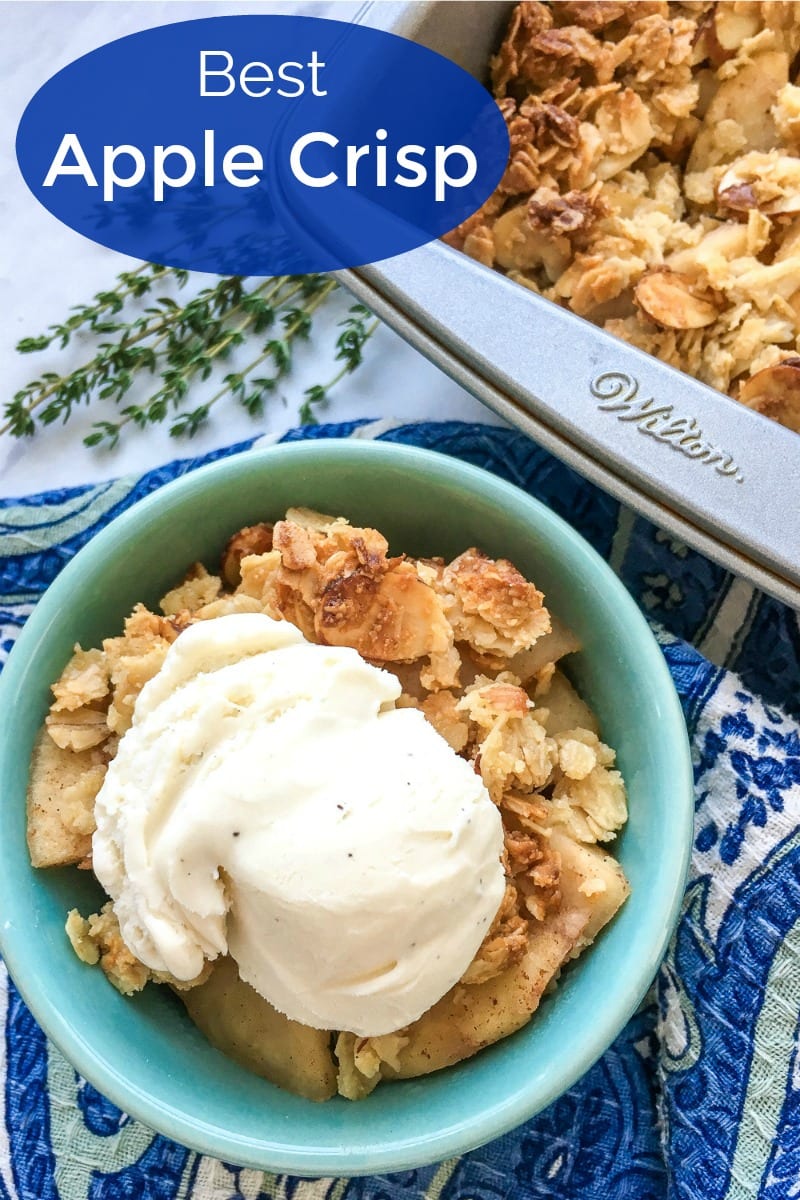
x=271, y=801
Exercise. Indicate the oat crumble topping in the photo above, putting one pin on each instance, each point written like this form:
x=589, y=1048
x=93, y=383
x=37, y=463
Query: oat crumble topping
x=653, y=185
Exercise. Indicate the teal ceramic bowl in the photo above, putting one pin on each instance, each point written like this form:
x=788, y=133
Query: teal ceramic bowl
x=143, y=1053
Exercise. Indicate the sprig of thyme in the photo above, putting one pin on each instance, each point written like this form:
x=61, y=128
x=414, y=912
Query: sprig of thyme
x=105, y=304
x=349, y=350
x=180, y=343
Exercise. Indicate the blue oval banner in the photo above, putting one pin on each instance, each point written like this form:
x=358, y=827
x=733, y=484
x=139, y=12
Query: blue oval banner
x=262, y=145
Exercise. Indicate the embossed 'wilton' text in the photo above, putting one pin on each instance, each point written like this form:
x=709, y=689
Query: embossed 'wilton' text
x=619, y=393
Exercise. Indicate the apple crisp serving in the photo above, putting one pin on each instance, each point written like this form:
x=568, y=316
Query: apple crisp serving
x=653, y=185
x=477, y=652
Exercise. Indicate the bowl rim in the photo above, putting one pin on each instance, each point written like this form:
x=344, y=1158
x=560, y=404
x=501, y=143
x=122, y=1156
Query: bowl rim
x=284, y=1156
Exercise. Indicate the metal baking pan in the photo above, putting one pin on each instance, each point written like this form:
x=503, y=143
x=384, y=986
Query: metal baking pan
x=696, y=463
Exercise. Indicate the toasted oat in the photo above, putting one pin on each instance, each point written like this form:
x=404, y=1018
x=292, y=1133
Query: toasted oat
x=338, y=584
x=253, y=539
x=504, y=944
x=491, y=606
x=441, y=709
x=226, y=606
x=83, y=681
x=135, y=657
x=78, y=730
x=258, y=579
x=129, y=675
x=360, y=1061
x=198, y=588
x=528, y=812
x=576, y=757
x=98, y=939
x=590, y=803
x=786, y=113
x=514, y=752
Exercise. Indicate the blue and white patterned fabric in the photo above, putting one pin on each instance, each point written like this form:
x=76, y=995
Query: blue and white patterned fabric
x=699, y=1098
